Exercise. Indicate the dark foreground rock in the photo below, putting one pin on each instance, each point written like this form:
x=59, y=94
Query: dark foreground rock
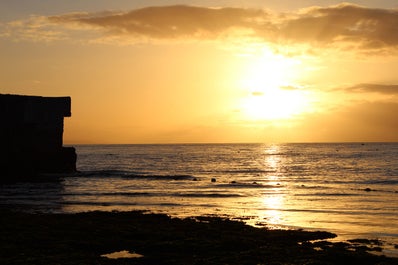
x=82, y=239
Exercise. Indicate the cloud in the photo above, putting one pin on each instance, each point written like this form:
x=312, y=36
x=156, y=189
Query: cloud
x=290, y=88
x=374, y=88
x=257, y=93
x=169, y=21
x=35, y=28
x=343, y=26
x=367, y=28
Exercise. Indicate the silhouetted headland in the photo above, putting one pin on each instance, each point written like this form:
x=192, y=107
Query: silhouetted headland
x=31, y=136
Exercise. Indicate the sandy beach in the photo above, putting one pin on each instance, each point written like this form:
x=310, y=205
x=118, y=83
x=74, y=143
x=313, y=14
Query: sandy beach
x=145, y=238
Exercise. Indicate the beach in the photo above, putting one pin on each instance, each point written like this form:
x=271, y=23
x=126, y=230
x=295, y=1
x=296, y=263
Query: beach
x=147, y=238
x=346, y=189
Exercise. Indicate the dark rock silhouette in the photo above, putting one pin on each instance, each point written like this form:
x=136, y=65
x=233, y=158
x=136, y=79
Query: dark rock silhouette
x=31, y=130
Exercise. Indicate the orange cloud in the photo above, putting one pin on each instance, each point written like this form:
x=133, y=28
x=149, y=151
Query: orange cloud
x=344, y=26
x=169, y=21
x=374, y=88
x=369, y=28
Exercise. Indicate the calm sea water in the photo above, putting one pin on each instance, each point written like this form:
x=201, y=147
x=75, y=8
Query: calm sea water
x=349, y=189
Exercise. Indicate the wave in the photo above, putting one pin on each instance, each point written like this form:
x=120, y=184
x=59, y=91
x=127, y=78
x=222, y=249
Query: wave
x=155, y=194
x=97, y=203
x=134, y=175
x=96, y=194
x=245, y=171
x=161, y=177
x=119, y=203
x=253, y=185
x=321, y=194
x=101, y=173
x=382, y=182
x=208, y=195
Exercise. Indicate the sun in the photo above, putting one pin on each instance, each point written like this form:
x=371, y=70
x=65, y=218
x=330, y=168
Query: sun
x=271, y=92
x=274, y=104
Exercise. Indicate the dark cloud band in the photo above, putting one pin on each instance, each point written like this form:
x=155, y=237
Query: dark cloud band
x=374, y=88
x=369, y=28
x=345, y=26
x=169, y=21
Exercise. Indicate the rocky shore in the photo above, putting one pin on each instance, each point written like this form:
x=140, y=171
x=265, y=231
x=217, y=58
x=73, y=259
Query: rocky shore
x=145, y=238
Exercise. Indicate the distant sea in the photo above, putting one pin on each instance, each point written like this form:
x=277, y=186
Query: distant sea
x=347, y=188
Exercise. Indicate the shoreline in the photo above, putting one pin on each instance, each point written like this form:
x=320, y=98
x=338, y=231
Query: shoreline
x=84, y=238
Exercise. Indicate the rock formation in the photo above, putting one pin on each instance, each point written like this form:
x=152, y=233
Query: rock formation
x=31, y=131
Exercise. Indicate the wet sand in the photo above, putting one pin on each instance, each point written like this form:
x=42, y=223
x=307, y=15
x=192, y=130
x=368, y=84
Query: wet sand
x=145, y=238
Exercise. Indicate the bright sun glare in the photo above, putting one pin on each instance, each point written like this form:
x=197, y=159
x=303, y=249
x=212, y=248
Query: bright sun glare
x=271, y=93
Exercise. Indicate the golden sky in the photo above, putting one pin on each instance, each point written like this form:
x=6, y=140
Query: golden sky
x=208, y=71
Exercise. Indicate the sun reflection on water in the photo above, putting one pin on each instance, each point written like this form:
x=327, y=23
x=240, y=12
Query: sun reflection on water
x=272, y=159
x=273, y=205
x=273, y=200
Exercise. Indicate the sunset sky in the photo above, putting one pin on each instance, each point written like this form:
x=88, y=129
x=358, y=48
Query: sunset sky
x=208, y=71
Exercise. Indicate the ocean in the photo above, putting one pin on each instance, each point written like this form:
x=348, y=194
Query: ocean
x=350, y=189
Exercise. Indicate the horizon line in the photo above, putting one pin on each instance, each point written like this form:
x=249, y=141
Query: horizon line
x=238, y=143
